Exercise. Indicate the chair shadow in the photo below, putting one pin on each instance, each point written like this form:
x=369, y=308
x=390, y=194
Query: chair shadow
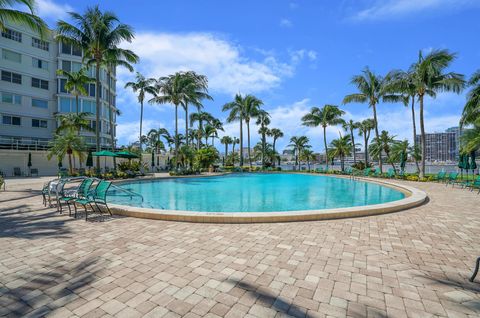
x=55, y=283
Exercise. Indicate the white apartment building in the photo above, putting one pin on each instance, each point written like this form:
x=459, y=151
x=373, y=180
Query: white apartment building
x=31, y=92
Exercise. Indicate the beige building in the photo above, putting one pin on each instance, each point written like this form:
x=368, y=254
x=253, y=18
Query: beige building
x=31, y=92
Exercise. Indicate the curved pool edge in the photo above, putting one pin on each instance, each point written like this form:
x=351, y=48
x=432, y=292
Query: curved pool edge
x=413, y=197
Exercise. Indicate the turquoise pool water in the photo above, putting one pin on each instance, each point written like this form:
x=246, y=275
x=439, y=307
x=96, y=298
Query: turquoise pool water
x=255, y=193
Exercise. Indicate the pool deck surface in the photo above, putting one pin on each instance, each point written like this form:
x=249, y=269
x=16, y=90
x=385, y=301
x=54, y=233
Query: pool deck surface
x=414, y=263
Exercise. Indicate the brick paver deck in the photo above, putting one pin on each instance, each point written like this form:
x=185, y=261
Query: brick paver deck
x=414, y=263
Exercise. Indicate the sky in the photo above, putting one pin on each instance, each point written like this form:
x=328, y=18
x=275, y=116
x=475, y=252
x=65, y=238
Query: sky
x=292, y=54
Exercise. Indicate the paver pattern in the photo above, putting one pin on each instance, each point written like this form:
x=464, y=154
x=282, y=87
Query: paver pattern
x=414, y=263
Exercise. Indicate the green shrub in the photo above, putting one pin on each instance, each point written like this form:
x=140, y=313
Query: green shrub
x=360, y=165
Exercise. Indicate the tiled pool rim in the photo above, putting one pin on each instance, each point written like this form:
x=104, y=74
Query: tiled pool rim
x=413, y=197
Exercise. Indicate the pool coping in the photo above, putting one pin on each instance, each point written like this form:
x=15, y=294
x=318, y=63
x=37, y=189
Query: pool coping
x=413, y=197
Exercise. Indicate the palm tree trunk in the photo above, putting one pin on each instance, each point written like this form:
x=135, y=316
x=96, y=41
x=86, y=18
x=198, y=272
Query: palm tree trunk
x=263, y=149
x=97, y=115
x=353, y=146
x=186, y=123
x=274, y=140
x=226, y=152
x=199, y=134
x=422, y=139
x=248, y=144
x=141, y=126
x=110, y=118
x=176, y=135
x=241, y=142
x=365, y=140
x=342, y=163
x=374, y=107
x=70, y=167
x=325, y=144
x=414, y=125
x=233, y=154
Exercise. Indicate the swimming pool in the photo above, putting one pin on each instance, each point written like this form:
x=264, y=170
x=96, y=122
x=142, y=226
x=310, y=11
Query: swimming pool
x=256, y=192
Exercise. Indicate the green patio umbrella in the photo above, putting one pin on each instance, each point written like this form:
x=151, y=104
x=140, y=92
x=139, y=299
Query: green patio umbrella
x=89, y=160
x=473, y=164
x=461, y=163
x=29, y=164
x=126, y=154
x=104, y=153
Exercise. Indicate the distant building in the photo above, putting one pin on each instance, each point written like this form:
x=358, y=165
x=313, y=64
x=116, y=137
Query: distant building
x=442, y=146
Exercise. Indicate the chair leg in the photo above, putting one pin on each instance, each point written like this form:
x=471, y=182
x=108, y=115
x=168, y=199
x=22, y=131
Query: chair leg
x=86, y=212
x=69, y=209
x=475, y=272
x=108, y=209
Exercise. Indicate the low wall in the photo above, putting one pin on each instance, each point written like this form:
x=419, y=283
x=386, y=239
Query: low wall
x=10, y=159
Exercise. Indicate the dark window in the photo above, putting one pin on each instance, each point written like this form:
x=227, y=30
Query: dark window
x=67, y=66
x=66, y=48
x=12, y=35
x=39, y=123
x=39, y=83
x=11, y=120
x=62, y=85
x=11, y=77
x=40, y=44
x=76, y=51
x=92, y=90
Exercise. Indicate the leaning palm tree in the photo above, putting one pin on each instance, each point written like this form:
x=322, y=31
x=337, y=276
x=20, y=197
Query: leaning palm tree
x=365, y=127
x=67, y=144
x=226, y=140
x=341, y=148
x=275, y=133
x=97, y=33
x=263, y=120
x=75, y=83
x=372, y=89
x=471, y=110
x=328, y=115
x=350, y=126
x=142, y=86
x=299, y=144
x=429, y=78
x=8, y=12
x=201, y=117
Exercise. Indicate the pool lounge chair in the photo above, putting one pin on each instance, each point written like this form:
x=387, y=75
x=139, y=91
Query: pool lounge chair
x=452, y=178
x=80, y=192
x=440, y=177
x=319, y=170
x=99, y=197
x=366, y=172
x=377, y=173
x=391, y=173
x=472, y=185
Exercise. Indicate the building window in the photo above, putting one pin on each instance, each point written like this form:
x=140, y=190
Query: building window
x=11, y=56
x=11, y=120
x=39, y=83
x=69, y=66
x=65, y=104
x=90, y=88
x=89, y=106
x=40, y=44
x=61, y=87
x=12, y=35
x=39, y=103
x=11, y=77
x=39, y=123
x=10, y=98
x=39, y=63
x=71, y=49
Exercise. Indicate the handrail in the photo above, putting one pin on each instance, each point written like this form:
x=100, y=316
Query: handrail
x=128, y=191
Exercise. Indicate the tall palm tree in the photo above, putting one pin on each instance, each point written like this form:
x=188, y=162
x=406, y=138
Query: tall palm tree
x=98, y=34
x=365, y=127
x=75, y=83
x=216, y=125
x=429, y=78
x=263, y=120
x=471, y=110
x=384, y=144
x=66, y=144
x=328, y=115
x=236, y=113
x=201, y=117
x=8, y=12
x=372, y=89
x=142, y=86
x=298, y=144
x=308, y=156
x=226, y=140
x=350, y=127
x=235, y=141
x=275, y=133
x=251, y=110
x=341, y=148
x=470, y=139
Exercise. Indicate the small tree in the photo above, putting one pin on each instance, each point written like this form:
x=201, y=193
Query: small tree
x=206, y=157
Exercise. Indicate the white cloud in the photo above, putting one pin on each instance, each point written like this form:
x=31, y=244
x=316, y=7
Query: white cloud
x=128, y=132
x=225, y=64
x=50, y=9
x=286, y=23
x=385, y=9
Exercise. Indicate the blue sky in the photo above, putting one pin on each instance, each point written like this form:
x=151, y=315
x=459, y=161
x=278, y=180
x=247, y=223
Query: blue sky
x=292, y=54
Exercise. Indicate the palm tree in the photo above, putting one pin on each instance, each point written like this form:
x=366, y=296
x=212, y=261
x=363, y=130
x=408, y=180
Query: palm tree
x=308, y=156
x=298, y=144
x=72, y=122
x=365, y=127
x=98, y=34
x=236, y=109
x=471, y=110
x=142, y=86
x=216, y=125
x=372, y=89
x=470, y=139
x=263, y=120
x=350, y=126
x=9, y=13
x=235, y=141
x=328, y=115
x=75, y=83
x=429, y=79
x=251, y=110
x=384, y=144
x=201, y=117
x=276, y=134
x=66, y=144
x=341, y=148
x=226, y=140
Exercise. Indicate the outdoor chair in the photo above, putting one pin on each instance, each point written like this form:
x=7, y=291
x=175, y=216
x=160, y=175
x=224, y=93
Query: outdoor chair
x=80, y=192
x=99, y=197
x=33, y=171
x=452, y=178
x=17, y=172
x=440, y=177
x=390, y=173
x=366, y=172
x=475, y=184
x=475, y=271
x=377, y=173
